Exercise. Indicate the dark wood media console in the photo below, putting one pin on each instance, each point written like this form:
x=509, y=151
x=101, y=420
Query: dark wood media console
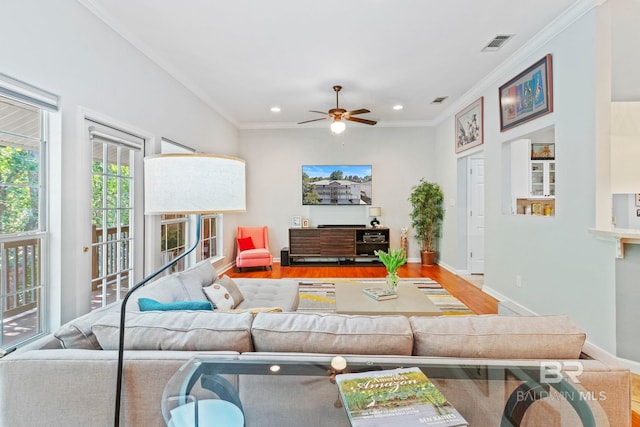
x=346, y=244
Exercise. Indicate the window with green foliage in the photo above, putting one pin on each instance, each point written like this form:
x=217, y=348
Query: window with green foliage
x=22, y=224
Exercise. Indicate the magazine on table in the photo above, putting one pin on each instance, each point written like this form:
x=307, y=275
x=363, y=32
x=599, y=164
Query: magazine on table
x=396, y=397
x=379, y=294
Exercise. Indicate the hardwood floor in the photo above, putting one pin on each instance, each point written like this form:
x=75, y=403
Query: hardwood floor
x=471, y=295
x=635, y=400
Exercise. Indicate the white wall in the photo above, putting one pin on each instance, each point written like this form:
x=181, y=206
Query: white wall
x=562, y=267
x=399, y=157
x=63, y=48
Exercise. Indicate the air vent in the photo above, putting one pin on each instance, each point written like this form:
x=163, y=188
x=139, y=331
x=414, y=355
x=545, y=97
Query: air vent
x=497, y=42
x=439, y=100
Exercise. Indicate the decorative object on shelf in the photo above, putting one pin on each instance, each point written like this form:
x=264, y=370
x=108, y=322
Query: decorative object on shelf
x=404, y=240
x=527, y=96
x=536, y=208
x=638, y=199
x=392, y=261
x=375, y=212
x=305, y=223
x=543, y=151
x=296, y=221
x=427, y=201
x=470, y=126
x=184, y=184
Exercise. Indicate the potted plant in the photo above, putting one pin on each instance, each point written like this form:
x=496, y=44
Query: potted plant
x=392, y=261
x=427, y=201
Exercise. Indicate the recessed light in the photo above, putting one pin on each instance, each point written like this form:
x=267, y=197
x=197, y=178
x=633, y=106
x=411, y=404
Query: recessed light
x=398, y=107
x=275, y=109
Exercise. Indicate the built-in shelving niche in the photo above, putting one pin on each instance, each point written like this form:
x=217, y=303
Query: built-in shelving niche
x=529, y=174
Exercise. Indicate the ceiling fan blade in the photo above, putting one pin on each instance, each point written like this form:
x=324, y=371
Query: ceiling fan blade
x=360, y=111
x=359, y=120
x=316, y=111
x=314, y=120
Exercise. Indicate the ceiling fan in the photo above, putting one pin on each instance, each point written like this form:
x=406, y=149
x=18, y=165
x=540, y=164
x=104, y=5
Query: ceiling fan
x=337, y=114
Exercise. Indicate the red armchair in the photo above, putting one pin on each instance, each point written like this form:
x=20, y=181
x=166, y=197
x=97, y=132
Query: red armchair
x=253, y=248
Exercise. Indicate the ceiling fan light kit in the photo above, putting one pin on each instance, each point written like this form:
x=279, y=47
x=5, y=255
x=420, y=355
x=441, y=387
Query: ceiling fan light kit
x=337, y=114
x=338, y=127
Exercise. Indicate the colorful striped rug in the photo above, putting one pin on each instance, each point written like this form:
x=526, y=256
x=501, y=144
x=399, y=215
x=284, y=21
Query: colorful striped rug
x=318, y=295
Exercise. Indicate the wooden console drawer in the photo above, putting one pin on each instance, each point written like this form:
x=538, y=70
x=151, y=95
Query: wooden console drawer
x=338, y=242
x=304, y=241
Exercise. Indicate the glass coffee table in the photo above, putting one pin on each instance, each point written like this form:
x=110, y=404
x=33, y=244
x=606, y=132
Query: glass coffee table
x=262, y=389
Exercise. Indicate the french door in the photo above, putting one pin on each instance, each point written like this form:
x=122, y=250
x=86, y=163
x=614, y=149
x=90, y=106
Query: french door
x=116, y=222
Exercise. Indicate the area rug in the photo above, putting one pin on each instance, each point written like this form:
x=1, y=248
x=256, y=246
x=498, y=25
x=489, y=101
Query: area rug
x=318, y=295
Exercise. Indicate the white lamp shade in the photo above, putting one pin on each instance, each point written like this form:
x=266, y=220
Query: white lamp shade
x=194, y=183
x=375, y=211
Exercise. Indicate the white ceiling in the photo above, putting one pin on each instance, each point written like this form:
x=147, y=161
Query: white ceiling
x=243, y=57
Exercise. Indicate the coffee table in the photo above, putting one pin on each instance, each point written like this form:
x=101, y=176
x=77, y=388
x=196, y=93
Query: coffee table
x=411, y=301
x=299, y=389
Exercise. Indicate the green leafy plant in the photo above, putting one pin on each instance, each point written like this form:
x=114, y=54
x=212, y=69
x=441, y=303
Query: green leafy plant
x=392, y=260
x=427, y=201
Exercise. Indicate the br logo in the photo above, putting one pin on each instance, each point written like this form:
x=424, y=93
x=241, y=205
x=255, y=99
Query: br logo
x=551, y=372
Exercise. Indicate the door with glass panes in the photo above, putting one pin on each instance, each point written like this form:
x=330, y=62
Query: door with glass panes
x=116, y=223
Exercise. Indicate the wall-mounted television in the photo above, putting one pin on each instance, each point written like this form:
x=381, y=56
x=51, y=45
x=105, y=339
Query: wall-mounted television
x=335, y=185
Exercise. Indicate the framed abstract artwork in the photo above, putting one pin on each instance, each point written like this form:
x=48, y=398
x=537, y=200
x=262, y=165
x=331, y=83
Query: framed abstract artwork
x=527, y=96
x=470, y=126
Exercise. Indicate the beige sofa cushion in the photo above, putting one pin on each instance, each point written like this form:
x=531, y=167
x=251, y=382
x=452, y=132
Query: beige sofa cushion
x=173, y=330
x=497, y=337
x=332, y=333
x=77, y=333
x=183, y=286
x=281, y=293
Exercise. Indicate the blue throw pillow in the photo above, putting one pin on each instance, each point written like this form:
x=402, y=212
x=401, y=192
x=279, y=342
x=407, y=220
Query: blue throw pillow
x=148, y=304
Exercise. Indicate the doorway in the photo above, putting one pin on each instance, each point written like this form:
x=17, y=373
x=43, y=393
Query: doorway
x=116, y=220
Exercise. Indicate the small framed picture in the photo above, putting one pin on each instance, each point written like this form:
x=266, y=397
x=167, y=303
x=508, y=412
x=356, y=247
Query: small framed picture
x=637, y=212
x=543, y=151
x=470, y=126
x=305, y=223
x=638, y=199
x=296, y=221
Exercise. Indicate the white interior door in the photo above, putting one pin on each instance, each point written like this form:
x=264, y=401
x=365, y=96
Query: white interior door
x=476, y=215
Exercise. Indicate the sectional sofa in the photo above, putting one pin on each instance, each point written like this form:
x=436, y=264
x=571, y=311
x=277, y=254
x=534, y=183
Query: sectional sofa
x=68, y=378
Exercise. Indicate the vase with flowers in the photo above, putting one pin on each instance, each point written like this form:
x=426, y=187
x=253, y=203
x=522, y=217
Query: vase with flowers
x=392, y=261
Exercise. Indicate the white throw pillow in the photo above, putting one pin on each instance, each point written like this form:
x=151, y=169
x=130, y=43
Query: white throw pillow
x=219, y=296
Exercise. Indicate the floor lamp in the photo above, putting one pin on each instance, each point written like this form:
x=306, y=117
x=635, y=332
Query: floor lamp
x=184, y=184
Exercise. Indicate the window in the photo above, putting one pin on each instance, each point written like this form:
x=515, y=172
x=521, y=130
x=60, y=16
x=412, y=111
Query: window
x=24, y=114
x=173, y=229
x=210, y=243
